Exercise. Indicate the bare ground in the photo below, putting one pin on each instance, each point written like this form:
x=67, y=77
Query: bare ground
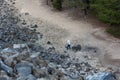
x=58, y=27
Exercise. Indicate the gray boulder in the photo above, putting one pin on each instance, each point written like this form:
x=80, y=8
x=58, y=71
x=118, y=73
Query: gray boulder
x=30, y=77
x=23, y=69
x=9, y=53
x=101, y=76
x=3, y=78
x=6, y=68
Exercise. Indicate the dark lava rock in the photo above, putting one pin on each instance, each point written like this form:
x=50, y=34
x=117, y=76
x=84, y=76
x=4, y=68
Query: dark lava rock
x=39, y=73
x=51, y=70
x=15, y=35
x=12, y=31
x=35, y=26
x=35, y=47
x=49, y=42
x=56, y=58
x=76, y=47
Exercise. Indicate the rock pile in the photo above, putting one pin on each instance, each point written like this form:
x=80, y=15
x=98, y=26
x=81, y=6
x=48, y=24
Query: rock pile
x=22, y=59
x=15, y=35
x=1, y=2
x=12, y=30
x=42, y=65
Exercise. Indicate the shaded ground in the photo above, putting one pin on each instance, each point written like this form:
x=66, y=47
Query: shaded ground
x=59, y=27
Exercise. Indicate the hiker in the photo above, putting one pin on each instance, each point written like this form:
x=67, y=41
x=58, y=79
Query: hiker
x=68, y=44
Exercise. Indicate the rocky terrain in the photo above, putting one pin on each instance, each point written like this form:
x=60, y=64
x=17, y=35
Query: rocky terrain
x=21, y=58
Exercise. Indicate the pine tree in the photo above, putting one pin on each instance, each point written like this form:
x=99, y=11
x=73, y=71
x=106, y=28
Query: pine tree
x=107, y=10
x=57, y=4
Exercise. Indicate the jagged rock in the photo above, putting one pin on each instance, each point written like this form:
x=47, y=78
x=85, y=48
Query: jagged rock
x=24, y=69
x=17, y=35
x=51, y=71
x=65, y=78
x=72, y=73
x=34, y=55
x=49, y=42
x=30, y=77
x=101, y=76
x=117, y=73
x=6, y=68
x=35, y=48
x=82, y=73
x=40, y=73
x=9, y=53
x=8, y=50
x=35, y=26
x=56, y=58
x=52, y=65
x=51, y=68
x=9, y=61
x=86, y=69
x=2, y=72
x=76, y=47
x=51, y=49
x=3, y=78
x=37, y=60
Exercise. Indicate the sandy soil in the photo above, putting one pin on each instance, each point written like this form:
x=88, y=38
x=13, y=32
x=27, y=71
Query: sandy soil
x=61, y=27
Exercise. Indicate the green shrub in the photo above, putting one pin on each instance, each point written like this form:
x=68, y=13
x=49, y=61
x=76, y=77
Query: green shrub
x=107, y=10
x=115, y=31
x=57, y=4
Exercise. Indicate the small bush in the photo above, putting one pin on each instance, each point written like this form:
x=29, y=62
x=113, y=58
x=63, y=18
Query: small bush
x=57, y=4
x=115, y=31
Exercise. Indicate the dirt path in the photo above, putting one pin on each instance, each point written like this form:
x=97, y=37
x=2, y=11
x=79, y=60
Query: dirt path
x=79, y=31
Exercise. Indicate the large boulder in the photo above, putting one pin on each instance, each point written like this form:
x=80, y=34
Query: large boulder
x=9, y=53
x=23, y=69
x=101, y=76
x=6, y=68
x=76, y=47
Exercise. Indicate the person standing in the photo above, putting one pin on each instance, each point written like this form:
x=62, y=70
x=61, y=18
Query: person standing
x=68, y=44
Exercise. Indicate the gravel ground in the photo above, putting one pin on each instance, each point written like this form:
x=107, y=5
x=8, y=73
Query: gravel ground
x=63, y=28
